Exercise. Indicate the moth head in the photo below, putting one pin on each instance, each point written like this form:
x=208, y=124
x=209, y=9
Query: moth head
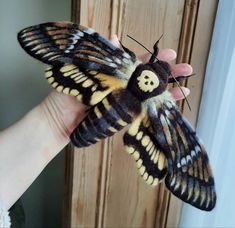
x=149, y=80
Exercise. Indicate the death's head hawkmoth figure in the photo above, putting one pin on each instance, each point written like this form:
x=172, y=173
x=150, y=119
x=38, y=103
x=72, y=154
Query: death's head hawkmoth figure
x=121, y=91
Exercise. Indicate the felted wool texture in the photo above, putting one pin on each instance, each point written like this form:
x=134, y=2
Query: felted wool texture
x=106, y=118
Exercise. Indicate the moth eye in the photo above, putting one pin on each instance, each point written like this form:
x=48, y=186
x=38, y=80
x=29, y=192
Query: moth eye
x=151, y=83
x=146, y=83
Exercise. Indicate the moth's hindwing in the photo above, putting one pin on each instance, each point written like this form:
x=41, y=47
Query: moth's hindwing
x=88, y=86
x=139, y=142
x=189, y=174
x=106, y=118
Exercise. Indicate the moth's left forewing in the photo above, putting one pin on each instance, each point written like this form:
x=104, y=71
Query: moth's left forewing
x=189, y=173
x=82, y=63
x=68, y=43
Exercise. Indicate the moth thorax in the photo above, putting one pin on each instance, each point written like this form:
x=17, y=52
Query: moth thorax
x=144, y=83
x=147, y=81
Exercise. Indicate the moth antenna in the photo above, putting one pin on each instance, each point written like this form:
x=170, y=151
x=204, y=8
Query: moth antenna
x=194, y=74
x=160, y=38
x=187, y=76
x=155, y=46
x=171, y=79
x=182, y=92
x=140, y=44
x=155, y=50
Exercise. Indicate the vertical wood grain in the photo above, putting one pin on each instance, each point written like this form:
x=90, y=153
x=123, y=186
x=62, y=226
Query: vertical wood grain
x=186, y=38
x=75, y=11
x=68, y=186
x=199, y=54
x=106, y=190
x=197, y=25
x=96, y=14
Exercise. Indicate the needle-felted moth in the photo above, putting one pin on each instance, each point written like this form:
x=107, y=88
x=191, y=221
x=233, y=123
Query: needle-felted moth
x=121, y=90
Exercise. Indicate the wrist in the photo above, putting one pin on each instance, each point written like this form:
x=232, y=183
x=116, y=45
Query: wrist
x=52, y=116
x=61, y=113
x=32, y=142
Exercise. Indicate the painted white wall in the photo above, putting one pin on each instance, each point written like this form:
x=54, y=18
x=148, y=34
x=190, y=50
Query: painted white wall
x=216, y=123
x=22, y=86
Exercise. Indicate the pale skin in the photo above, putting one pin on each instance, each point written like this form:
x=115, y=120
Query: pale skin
x=31, y=143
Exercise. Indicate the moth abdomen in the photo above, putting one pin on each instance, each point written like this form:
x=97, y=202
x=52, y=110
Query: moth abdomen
x=106, y=118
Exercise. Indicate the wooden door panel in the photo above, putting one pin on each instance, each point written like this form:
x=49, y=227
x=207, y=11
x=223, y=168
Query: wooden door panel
x=87, y=170
x=148, y=20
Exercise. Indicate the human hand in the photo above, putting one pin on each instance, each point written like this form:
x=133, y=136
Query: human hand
x=66, y=112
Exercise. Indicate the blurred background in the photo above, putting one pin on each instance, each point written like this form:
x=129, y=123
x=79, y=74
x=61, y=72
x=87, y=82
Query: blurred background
x=99, y=186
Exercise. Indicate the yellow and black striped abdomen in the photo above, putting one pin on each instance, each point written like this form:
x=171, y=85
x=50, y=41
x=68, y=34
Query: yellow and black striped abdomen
x=110, y=115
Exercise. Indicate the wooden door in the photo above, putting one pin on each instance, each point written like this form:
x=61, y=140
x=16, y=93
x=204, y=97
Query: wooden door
x=103, y=188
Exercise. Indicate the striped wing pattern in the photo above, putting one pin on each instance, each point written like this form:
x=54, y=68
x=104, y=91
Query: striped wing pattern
x=88, y=86
x=82, y=63
x=189, y=174
x=106, y=118
x=63, y=42
x=139, y=142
